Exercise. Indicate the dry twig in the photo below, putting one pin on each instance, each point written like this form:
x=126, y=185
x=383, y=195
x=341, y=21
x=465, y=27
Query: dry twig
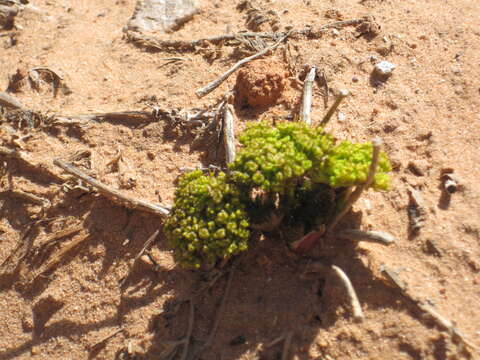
x=29, y=161
x=153, y=43
x=307, y=96
x=113, y=194
x=341, y=95
x=9, y=101
x=56, y=258
x=441, y=321
x=357, y=309
x=147, y=244
x=219, y=314
x=372, y=236
x=106, y=338
x=228, y=132
x=214, y=84
x=29, y=197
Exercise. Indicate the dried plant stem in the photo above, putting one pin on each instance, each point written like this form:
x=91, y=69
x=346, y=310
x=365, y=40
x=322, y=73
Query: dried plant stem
x=377, y=144
x=9, y=101
x=307, y=96
x=441, y=321
x=113, y=194
x=185, y=45
x=122, y=116
x=228, y=132
x=29, y=197
x=62, y=233
x=106, y=338
x=188, y=336
x=29, y=161
x=372, y=236
x=147, y=244
x=286, y=345
x=357, y=309
x=56, y=258
x=219, y=314
x=341, y=95
x=214, y=84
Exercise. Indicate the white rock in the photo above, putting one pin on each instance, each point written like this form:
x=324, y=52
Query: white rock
x=341, y=116
x=161, y=15
x=384, y=68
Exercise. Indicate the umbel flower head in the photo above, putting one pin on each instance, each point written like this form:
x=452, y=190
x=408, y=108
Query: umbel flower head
x=208, y=220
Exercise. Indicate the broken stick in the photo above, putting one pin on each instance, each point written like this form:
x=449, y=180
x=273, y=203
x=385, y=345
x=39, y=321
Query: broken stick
x=228, y=132
x=216, y=83
x=357, y=309
x=439, y=319
x=113, y=194
x=307, y=96
x=341, y=95
x=372, y=236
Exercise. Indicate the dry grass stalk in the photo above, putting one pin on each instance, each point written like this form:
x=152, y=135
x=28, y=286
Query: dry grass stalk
x=441, y=321
x=307, y=97
x=228, y=132
x=57, y=258
x=216, y=83
x=372, y=236
x=357, y=309
x=113, y=194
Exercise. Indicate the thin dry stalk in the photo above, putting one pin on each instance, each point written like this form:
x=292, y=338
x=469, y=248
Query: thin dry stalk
x=219, y=314
x=106, y=338
x=153, y=43
x=29, y=197
x=307, y=97
x=188, y=336
x=62, y=233
x=441, y=321
x=113, y=194
x=147, y=244
x=216, y=83
x=9, y=101
x=134, y=117
x=377, y=144
x=29, y=161
x=372, y=236
x=229, y=133
x=341, y=95
x=57, y=258
x=357, y=309
x=286, y=345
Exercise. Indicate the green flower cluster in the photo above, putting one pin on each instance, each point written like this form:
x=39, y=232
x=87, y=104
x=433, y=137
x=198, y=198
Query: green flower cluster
x=208, y=220
x=348, y=164
x=274, y=156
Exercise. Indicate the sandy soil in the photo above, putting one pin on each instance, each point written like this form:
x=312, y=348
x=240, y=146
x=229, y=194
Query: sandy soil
x=426, y=113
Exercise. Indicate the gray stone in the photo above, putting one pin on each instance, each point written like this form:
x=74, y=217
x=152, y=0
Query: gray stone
x=384, y=68
x=161, y=15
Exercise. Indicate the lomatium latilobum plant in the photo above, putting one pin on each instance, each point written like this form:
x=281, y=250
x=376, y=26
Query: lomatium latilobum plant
x=294, y=171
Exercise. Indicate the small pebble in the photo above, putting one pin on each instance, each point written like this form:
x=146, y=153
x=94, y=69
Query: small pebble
x=354, y=79
x=335, y=32
x=384, y=68
x=341, y=116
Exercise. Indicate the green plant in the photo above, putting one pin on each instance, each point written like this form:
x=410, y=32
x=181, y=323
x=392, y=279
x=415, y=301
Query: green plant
x=208, y=220
x=274, y=158
x=288, y=174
